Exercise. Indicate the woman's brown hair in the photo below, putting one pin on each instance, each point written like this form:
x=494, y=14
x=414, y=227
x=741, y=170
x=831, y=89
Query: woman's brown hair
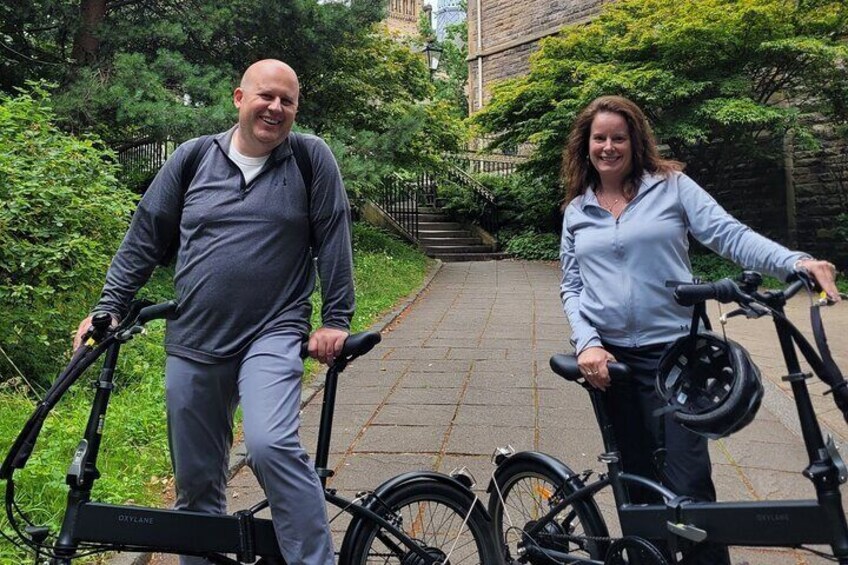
x=577, y=171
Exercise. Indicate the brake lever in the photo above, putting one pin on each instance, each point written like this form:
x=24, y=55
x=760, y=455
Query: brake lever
x=752, y=311
x=129, y=333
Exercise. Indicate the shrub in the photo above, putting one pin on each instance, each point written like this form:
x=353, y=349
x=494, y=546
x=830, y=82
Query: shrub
x=534, y=246
x=62, y=215
x=525, y=203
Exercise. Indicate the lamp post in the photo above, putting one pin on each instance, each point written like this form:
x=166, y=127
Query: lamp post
x=433, y=52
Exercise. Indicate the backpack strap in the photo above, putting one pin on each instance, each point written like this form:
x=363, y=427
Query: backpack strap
x=187, y=174
x=304, y=164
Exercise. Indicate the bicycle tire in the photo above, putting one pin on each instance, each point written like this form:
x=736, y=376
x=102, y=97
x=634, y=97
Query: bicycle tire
x=434, y=514
x=526, y=488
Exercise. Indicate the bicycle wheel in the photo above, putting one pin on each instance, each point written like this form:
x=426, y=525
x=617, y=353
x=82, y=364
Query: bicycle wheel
x=440, y=519
x=526, y=492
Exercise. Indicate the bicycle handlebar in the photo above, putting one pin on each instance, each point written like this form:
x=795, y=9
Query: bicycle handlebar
x=728, y=290
x=164, y=311
x=724, y=291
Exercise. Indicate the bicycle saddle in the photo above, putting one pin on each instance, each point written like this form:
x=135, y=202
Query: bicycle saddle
x=565, y=365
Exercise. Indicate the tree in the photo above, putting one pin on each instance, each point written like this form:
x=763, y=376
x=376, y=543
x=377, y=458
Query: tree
x=738, y=72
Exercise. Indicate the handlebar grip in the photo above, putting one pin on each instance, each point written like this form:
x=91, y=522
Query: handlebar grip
x=724, y=291
x=355, y=345
x=166, y=310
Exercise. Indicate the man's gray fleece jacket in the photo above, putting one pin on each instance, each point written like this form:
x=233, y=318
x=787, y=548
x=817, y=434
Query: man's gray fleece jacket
x=243, y=267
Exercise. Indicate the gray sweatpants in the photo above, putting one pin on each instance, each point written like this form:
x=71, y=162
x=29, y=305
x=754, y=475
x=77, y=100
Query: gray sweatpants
x=201, y=400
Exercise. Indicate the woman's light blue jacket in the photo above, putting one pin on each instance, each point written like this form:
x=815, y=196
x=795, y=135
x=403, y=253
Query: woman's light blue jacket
x=614, y=271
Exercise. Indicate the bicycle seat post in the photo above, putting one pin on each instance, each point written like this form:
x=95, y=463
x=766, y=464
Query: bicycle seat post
x=325, y=429
x=611, y=456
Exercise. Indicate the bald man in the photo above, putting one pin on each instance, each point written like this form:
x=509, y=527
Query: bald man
x=243, y=277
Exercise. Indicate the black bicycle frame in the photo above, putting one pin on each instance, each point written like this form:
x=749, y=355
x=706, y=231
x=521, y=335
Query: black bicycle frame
x=770, y=523
x=136, y=528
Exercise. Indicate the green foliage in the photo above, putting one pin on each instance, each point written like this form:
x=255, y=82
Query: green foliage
x=410, y=137
x=61, y=217
x=167, y=69
x=534, y=246
x=452, y=77
x=525, y=202
x=703, y=70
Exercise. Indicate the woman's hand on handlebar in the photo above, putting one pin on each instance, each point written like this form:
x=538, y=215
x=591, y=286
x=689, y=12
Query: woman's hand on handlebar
x=824, y=274
x=83, y=328
x=325, y=344
x=593, y=365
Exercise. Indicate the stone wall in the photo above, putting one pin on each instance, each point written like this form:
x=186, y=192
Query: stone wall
x=755, y=193
x=509, y=32
x=820, y=184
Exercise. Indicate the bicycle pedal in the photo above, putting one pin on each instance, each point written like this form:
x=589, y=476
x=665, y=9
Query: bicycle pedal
x=687, y=531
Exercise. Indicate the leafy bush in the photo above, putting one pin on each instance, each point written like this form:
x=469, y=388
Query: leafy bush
x=62, y=215
x=524, y=203
x=534, y=246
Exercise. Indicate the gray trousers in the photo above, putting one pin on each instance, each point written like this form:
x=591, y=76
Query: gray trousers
x=201, y=400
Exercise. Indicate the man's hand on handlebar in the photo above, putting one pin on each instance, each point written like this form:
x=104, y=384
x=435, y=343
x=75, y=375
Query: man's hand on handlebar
x=85, y=326
x=824, y=274
x=325, y=344
x=593, y=365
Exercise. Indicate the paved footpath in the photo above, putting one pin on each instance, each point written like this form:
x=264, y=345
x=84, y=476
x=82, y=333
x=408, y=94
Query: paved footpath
x=465, y=370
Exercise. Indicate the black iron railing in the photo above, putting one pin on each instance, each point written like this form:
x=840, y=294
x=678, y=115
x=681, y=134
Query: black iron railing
x=486, y=211
x=141, y=159
x=399, y=199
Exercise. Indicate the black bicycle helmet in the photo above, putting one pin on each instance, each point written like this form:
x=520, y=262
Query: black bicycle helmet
x=710, y=384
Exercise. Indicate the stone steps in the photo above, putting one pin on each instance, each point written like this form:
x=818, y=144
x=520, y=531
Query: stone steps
x=444, y=239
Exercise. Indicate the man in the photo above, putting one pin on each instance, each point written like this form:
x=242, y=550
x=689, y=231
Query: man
x=243, y=277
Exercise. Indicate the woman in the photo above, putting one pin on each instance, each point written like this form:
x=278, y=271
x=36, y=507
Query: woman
x=624, y=235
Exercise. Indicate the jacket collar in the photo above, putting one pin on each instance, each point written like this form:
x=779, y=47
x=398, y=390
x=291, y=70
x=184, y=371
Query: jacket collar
x=649, y=182
x=280, y=152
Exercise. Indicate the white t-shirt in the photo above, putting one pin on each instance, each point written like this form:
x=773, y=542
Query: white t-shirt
x=250, y=166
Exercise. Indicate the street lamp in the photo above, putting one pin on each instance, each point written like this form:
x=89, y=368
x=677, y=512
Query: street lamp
x=433, y=52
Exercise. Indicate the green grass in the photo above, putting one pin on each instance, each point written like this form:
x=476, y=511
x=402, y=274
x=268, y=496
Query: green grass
x=134, y=460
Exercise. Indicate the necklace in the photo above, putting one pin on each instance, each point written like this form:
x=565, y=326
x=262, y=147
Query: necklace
x=608, y=206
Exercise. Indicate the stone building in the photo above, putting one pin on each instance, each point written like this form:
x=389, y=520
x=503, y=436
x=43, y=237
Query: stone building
x=403, y=16
x=503, y=33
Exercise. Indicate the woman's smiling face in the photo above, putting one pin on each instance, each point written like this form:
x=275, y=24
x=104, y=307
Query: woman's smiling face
x=610, y=150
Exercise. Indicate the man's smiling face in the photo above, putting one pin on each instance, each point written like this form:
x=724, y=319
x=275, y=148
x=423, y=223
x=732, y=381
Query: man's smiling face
x=267, y=104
